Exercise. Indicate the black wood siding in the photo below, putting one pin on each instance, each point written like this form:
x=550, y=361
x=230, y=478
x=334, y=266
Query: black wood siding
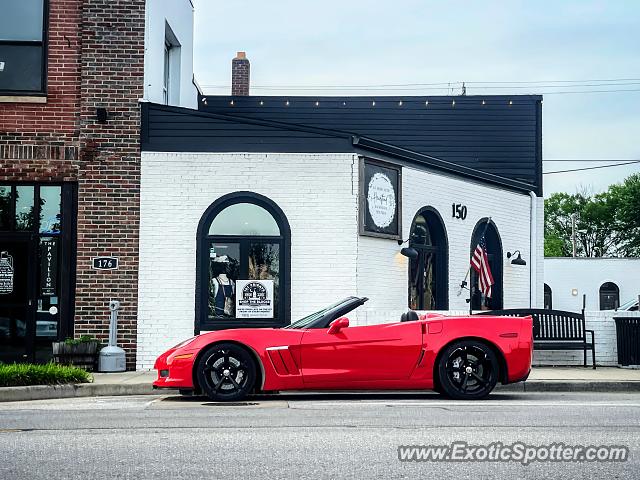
x=174, y=129
x=501, y=136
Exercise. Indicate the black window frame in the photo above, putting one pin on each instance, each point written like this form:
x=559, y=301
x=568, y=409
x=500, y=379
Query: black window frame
x=548, y=297
x=440, y=248
x=601, y=292
x=283, y=314
x=44, y=43
x=496, y=263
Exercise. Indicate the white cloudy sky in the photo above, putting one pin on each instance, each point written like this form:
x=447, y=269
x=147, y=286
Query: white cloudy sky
x=358, y=42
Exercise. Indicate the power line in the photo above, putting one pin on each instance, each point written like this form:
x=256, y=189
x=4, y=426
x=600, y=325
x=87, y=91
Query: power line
x=590, y=168
x=445, y=84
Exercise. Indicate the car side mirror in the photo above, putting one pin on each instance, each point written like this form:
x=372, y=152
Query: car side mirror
x=337, y=325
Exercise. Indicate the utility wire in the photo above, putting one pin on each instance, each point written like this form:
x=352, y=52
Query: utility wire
x=590, y=168
x=443, y=84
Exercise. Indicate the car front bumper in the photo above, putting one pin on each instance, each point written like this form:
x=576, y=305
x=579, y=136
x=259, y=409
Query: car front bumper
x=175, y=369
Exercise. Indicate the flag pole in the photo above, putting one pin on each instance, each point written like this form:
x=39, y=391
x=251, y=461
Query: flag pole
x=486, y=226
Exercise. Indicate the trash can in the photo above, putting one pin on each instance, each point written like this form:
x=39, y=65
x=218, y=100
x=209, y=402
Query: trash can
x=628, y=339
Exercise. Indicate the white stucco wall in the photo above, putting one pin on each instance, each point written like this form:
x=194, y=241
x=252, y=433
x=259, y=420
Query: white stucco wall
x=178, y=14
x=319, y=195
x=587, y=275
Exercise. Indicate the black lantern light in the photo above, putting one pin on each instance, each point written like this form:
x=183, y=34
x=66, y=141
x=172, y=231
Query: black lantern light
x=517, y=260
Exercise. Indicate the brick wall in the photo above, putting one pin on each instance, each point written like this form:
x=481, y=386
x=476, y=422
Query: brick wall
x=319, y=195
x=57, y=121
x=96, y=50
x=604, y=328
x=109, y=180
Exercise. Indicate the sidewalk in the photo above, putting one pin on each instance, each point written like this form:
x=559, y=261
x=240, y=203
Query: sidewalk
x=542, y=379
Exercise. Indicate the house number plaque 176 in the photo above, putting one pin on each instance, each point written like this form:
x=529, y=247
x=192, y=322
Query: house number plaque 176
x=105, y=263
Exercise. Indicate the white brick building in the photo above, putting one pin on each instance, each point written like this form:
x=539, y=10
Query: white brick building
x=319, y=195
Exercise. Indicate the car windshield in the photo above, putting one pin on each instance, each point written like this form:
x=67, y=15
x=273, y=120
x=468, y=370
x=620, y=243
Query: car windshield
x=309, y=319
x=629, y=305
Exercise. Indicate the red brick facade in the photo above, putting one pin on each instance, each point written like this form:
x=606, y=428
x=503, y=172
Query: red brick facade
x=95, y=59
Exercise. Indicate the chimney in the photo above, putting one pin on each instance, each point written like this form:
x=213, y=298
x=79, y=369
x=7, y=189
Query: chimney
x=240, y=74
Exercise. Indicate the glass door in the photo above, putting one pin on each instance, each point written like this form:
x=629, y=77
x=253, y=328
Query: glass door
x=16, y=300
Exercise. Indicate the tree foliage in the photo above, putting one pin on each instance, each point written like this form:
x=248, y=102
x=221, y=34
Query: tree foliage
x=606, y=224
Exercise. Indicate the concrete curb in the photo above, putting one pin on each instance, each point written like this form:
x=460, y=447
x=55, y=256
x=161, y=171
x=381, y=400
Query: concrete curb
x=574, y=386
x=47, y=392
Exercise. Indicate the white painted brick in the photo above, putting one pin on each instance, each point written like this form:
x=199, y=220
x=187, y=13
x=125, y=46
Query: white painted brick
x=319, y=195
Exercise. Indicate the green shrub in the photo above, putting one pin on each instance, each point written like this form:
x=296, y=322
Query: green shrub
x=82, y=339
x=21, y=374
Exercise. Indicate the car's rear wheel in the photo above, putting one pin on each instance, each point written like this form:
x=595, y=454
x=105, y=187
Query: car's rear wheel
x=468, y=370
x=226, y=372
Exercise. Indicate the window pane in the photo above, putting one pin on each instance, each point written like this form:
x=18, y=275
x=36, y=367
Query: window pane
x=264, y=264
x=21, y=20
x=25, y=218
x=244, y=219
x=50, y=218
x=224, y=263
x=22, y=71
x=5, y=207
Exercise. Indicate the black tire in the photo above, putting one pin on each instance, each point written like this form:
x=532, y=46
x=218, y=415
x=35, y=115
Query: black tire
x=468, y=370
x=226, y=372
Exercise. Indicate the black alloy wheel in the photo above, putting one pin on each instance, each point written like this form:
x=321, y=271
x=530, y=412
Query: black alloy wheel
x=226, y=372
x=468, y=370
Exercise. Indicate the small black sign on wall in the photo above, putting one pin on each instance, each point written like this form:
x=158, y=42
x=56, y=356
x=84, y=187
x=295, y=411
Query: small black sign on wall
x=380, y=199
x=105, y=263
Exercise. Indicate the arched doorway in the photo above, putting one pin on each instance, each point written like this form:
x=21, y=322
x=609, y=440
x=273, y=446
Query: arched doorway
x=429, y=272
x=242, y=237
x=609, y=296
x=479, y=301
x=548, y=299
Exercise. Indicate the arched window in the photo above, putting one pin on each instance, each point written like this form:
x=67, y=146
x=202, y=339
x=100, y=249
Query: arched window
x=243, y=264
x=479, y=301
x=429, y=272
x=548, y=301
x=609, y=296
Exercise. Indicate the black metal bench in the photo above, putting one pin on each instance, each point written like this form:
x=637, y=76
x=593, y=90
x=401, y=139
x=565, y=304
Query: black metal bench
x=555, y=330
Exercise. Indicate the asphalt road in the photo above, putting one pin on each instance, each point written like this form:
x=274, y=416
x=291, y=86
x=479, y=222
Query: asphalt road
x=307, y=436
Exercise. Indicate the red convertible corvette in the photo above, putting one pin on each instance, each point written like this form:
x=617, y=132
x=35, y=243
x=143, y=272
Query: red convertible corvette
x=462, y=357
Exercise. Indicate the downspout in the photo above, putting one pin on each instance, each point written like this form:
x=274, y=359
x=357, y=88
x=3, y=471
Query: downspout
x=533, y=248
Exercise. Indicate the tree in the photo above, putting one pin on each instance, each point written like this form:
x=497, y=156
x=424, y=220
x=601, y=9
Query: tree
x=606, y=224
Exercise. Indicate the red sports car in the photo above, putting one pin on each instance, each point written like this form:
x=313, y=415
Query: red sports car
x=462, y=357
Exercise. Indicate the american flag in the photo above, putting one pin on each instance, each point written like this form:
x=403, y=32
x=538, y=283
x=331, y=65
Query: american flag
x=480, y=263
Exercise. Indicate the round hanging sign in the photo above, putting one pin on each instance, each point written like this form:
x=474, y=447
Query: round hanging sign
x=381, y=199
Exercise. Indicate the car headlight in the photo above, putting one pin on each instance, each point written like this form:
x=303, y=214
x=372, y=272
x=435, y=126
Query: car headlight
x=185, y=342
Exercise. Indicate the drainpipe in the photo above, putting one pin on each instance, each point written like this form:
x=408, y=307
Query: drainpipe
x=533, y=247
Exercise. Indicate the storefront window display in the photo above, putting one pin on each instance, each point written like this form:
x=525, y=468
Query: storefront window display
x=244, y=266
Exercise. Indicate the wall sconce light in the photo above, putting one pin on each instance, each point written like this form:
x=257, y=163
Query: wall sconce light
x=518, y=260
x=574, y=292
x=409, y=252
x=101, y=115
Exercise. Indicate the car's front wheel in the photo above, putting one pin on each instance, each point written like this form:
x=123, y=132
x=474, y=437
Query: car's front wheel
x=226, y=372
x=468, y=370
